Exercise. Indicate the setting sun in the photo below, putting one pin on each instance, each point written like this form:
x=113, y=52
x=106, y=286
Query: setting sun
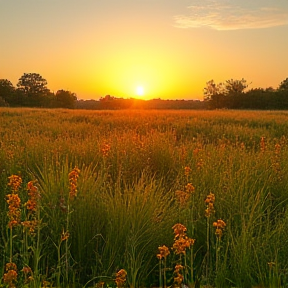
x=140, y=91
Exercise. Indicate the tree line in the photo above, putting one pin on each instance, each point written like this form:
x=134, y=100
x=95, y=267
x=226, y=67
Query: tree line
x=233, y=94
x=31, y=91
x=113, y=103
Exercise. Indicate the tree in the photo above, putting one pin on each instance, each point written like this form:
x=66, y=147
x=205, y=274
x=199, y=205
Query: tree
x=225, y=95
x=213, y=93
x=233, y=87
x=234, y=91
x=6, y=90
x=212, y=89
x=34, y=86
x=65, y=99
x=284, y=85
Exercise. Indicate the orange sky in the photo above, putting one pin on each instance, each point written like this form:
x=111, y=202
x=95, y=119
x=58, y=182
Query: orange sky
x=169, y=48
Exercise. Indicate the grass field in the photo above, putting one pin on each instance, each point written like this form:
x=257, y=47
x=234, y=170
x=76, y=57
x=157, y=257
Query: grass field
x=87, y=196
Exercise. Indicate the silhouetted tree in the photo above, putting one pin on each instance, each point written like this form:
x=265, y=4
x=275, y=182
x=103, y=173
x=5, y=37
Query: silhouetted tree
x=284, y=85
x=214, y=94
x=225, y=95
x=233, y=87
x=234, y=91
x=6, y=91
x=65, y=99
x=34, y=86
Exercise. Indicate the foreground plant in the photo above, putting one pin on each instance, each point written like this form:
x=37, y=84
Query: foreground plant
x=162, y=256
x=181, y=243
x=219, y=226
x=31, y=229
x=209, y=201
x=121, y=278
x=10, y=277
x=14, y=210
x=178, y=275
x=64, y=238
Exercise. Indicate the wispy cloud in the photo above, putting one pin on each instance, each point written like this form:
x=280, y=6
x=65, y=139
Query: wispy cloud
x=223, y=15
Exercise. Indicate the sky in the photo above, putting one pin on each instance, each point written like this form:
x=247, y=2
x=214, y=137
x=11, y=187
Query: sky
x=147, y=49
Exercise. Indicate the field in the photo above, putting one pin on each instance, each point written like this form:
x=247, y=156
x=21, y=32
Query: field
x=86, y=196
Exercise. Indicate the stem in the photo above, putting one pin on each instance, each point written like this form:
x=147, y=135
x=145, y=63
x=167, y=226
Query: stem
x=208, y=250
x=192, y=250
x=164, y=273
x=192, y=215
x=37, y=252
x=185, y=269
x=217, y=253
x=160, y=275
x=191, y=265
x=11, y=245
x=66, y=244
x=25, y=252
x=59, y=263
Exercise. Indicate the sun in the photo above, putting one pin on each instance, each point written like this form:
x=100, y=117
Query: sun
x=140, y=91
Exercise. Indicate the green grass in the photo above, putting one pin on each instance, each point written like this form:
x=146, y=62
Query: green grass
x=126, y=203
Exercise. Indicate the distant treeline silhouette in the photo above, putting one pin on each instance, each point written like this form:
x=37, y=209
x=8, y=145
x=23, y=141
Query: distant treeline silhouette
x=233, y=94
x=32, y=91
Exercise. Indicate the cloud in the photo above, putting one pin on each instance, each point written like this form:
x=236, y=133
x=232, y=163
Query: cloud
x=221, y=15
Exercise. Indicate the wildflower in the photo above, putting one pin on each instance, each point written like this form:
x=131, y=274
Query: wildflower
x=10, y=277
x=277, y=149
x=189, y=188
x=27, y=274
x=120, y=278
x=15, y=182
x=163, y=252
x=105, y=150
x=209, y=205
x=34, y=196
x=178, y=278
x=181, y=244
x=64, y=235
x=30, y=225
x=10, y=266
x=262, y=144
x=210, y=198
x=181, y=240
x=26, y=270
x=187, y=170
x=190, y=242
x=73, y=178
x=179, y=230
x=14, y=212
x=219, y=225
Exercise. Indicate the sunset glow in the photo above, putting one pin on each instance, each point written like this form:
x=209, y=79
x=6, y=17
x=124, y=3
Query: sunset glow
x=139, y=90
x=170, y=49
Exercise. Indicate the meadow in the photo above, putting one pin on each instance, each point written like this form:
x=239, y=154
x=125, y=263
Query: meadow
x=138, y=198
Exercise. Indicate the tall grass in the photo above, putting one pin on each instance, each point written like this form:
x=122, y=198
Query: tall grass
x=131, y=165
